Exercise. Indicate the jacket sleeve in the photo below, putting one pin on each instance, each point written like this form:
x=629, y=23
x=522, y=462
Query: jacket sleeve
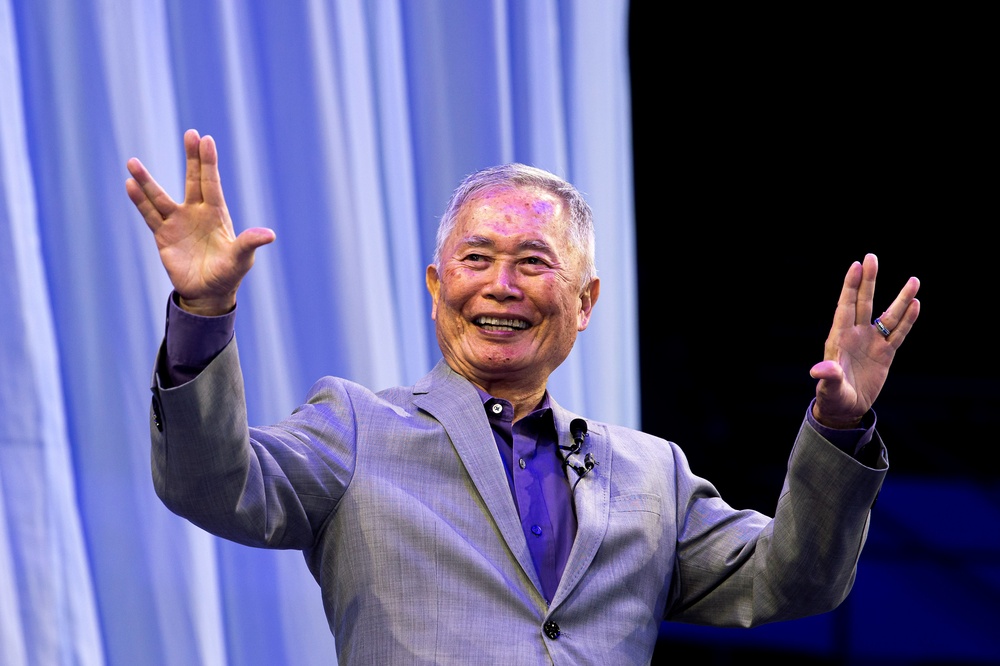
x=741, y=568
x=270, y=487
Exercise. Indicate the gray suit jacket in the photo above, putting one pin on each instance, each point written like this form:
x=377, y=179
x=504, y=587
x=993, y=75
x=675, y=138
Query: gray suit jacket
x=401, y=506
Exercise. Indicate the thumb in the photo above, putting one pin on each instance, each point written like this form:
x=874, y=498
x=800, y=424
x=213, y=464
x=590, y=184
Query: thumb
x=829, y=370
x=253, y=238
x=246, y=245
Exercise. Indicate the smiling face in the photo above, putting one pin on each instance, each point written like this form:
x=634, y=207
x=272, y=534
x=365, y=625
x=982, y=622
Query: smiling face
x=508, y=296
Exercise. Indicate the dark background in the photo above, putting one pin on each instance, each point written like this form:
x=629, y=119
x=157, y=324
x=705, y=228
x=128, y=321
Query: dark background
x=771, y=151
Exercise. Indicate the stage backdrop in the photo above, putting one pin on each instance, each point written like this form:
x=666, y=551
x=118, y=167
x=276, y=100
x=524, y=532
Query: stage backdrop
x=342, y=125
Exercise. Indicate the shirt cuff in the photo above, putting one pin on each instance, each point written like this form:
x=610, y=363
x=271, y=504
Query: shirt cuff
x=851, y=440
x=192, y=341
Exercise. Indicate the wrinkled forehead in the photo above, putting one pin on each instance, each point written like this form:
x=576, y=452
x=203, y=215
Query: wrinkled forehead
x=529, y=216
x=509, y=203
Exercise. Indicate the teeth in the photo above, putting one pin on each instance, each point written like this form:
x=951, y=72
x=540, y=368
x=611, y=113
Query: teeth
x=491, y=322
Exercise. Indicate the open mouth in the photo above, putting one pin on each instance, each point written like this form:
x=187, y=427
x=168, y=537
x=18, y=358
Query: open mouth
x=498, y=324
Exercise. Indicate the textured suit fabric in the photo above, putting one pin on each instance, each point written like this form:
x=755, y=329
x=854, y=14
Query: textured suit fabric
x=400, y=504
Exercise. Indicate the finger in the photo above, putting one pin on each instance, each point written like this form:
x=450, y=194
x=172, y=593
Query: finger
x=250, y=239
x=153, y=202
x=192, y=175
x=846, y=313
x=247, y=244
x=211, y=181
x=894, y=313
x=828, y=370
x=906, y=322
x=866, y=291
x=902, y=312
x=139, y=198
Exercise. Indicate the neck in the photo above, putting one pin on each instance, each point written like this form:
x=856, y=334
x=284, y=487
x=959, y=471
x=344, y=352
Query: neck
x=523, y=399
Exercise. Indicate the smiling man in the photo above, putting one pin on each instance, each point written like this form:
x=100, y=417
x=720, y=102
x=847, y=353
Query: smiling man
x=470, y=518
x=513, y=280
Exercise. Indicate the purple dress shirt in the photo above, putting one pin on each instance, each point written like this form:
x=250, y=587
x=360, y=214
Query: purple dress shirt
x=538, y=484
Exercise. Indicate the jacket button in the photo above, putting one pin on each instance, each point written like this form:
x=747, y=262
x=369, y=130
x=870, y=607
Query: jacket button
x=551, y=629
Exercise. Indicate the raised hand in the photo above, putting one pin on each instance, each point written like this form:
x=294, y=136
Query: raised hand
x=204, y=258
x=858, y=353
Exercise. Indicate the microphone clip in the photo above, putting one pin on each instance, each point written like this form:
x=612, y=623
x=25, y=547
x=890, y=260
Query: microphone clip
x=578, y=428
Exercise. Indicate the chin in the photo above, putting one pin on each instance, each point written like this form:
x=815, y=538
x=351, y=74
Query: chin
x=508, y=365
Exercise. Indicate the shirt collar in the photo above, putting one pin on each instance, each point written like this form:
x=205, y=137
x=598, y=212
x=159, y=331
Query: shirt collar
x=543, y=404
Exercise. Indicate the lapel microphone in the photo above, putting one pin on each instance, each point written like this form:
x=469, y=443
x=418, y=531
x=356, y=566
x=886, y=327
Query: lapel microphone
x=578, y=429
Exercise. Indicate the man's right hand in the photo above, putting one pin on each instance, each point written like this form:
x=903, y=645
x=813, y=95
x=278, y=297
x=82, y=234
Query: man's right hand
x=203, y=256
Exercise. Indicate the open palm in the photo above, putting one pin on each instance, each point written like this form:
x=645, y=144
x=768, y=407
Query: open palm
x=857, y=355
x=204, y=258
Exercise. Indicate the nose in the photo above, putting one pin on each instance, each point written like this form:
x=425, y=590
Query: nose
x=503, y=283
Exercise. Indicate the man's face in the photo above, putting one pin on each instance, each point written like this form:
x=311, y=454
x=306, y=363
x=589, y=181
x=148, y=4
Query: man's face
x=508, y=301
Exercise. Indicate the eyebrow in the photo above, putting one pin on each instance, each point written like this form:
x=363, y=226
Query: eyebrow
x=484, y=242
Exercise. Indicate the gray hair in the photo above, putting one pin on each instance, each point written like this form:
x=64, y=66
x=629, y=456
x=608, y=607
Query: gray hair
x=581, y=218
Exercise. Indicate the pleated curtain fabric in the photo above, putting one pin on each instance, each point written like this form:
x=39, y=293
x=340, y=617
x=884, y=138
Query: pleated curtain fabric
x=344, y=126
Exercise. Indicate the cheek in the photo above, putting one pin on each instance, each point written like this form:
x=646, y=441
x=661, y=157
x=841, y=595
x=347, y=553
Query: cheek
x=554, y=300
x=460, y=288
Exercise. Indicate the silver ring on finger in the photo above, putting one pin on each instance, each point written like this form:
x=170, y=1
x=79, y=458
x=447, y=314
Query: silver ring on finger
x=881, y=328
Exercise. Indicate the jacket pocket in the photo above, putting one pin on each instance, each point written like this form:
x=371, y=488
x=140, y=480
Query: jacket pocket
x=636, y=502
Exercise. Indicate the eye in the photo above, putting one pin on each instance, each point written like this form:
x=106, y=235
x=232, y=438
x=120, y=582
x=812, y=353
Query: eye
x=535, y=262
x=474, y=258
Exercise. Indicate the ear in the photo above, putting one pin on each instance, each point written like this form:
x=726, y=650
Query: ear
x=588, y=298
x=433, y=282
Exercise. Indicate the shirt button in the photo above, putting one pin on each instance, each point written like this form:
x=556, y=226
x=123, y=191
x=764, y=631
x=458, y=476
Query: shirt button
x=497, y=408
x=520, y=461
x=551, y=629
x=536, y=530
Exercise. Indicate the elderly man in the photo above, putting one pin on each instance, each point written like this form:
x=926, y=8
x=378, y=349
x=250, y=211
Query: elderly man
x=470, y=516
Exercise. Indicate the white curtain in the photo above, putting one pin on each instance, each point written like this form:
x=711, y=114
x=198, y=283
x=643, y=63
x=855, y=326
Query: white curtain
x=342, y=124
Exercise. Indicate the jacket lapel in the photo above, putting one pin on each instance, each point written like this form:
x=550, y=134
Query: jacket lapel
x=591, y=498
x=456, y=404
